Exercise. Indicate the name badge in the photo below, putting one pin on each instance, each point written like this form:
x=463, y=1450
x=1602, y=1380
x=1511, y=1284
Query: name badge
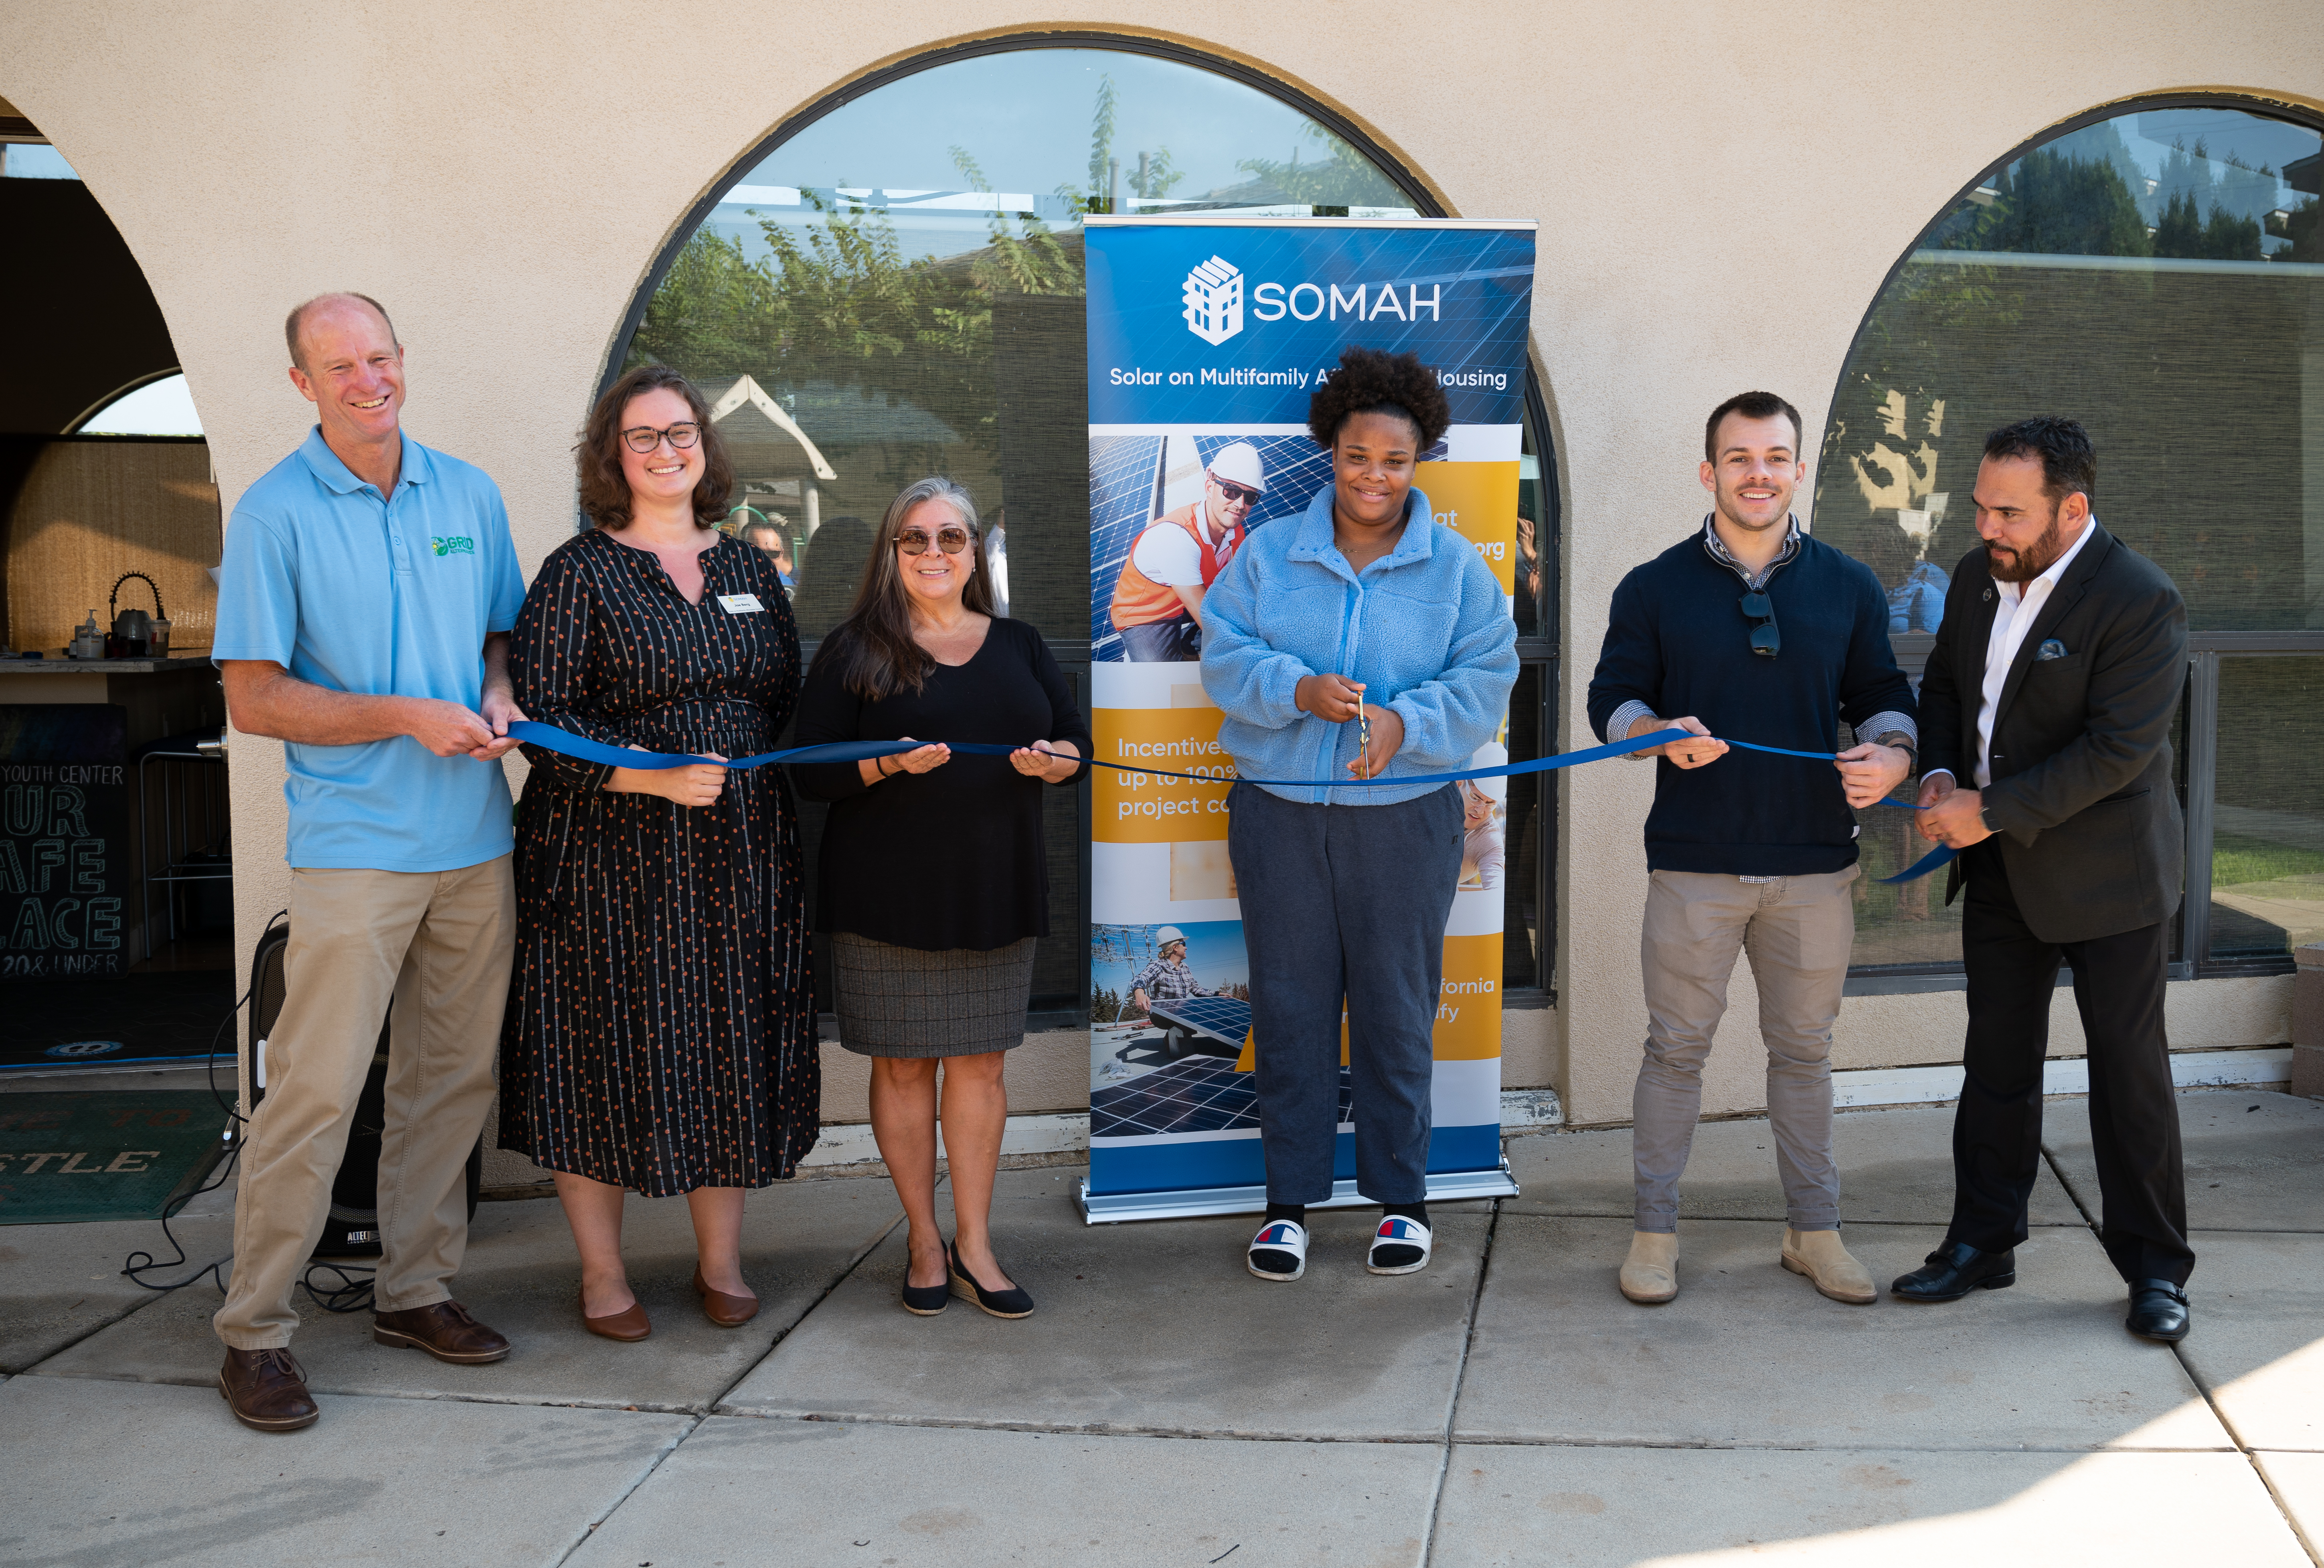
x=739, y=603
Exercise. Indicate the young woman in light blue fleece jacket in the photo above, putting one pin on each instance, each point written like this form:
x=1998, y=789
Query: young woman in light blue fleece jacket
x=1345, y=891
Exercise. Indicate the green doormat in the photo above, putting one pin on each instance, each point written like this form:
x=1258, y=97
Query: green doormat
x=73, y=1157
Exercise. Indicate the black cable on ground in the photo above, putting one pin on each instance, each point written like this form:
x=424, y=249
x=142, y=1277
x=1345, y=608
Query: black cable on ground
x=352, y=1294
x=137, y=1271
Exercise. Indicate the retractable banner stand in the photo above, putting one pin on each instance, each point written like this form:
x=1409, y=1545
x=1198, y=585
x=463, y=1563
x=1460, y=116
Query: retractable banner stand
x=1207, y=335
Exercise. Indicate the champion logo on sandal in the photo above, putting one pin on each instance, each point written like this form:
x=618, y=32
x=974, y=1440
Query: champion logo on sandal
x=1400, y=1246
x=1279, y=1251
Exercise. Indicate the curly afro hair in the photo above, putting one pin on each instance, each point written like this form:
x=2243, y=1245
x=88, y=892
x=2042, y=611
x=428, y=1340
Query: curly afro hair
x=1370, y=380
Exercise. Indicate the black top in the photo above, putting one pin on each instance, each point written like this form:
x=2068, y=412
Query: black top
x=952, y=857
x=1677, y=640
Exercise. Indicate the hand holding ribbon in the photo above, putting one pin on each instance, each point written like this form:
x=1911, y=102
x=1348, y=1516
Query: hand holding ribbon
x=695, y=784
x=1689, y=751
x=1949, y=815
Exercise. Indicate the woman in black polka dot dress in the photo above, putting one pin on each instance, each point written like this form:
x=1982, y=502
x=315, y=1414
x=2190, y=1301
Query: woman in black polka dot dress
x=660, y=1035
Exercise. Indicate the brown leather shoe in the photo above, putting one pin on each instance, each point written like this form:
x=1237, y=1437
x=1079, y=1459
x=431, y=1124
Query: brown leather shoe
x=726, y=1311
x=628, y=1325
x=266, y=1390
x=443, y=1329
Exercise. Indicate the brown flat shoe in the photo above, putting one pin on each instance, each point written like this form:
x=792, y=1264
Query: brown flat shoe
x=266, y=1390
x=628, y=1325
x=443, y=1329
x=726, y=1311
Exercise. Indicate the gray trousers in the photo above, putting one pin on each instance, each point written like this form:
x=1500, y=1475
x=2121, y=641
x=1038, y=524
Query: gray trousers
x=1798, y=931
x=1345, y=901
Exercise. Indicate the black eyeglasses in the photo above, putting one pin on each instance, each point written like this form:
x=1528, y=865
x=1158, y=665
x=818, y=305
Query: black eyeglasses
x=645, y=438
x=1766, y=637
x=914, y=541
x=1235, y=492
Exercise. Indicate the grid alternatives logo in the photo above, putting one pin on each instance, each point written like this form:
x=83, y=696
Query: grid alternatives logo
x=1213, y=296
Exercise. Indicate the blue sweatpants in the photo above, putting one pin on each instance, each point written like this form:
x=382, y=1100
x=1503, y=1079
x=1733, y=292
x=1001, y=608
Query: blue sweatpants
x=1344, y=902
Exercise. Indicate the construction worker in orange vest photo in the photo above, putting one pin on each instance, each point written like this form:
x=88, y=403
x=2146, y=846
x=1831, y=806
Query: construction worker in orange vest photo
x=1157, y=602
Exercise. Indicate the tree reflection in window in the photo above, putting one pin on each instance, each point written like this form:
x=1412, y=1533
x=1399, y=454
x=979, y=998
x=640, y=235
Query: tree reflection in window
x=897, y=330
x=2154, y=275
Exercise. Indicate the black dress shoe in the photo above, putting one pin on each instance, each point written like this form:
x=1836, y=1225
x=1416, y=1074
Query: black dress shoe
x=926, y=1300
x=1953, y=1270
x=1009, y=1302
x=2158, y=1311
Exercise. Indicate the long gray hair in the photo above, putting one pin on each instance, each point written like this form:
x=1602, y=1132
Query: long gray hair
x=877, y=655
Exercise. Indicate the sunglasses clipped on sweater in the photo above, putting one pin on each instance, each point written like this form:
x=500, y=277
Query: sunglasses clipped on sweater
x=915, y=542
x=1766, y=637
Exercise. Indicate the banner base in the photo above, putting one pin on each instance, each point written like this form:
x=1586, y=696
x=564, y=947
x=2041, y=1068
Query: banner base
x=1112, y=1208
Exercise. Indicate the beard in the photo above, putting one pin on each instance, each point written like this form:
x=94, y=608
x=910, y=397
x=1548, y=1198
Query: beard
x=2009, y=565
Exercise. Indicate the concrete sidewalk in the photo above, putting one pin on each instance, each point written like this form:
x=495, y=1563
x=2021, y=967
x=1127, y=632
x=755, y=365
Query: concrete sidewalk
x=1507, y=1406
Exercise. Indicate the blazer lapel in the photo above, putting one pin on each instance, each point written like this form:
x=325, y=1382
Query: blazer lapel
x=2062, y=598
x=1968, y=674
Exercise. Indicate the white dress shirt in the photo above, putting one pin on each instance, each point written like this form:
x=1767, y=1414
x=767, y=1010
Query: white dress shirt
x=2020, y=606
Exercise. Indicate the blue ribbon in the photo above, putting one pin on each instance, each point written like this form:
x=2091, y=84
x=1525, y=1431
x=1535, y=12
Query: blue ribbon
x=548, y=737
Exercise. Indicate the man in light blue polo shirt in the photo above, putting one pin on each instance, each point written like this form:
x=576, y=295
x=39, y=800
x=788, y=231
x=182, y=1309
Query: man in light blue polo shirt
x=365, y=607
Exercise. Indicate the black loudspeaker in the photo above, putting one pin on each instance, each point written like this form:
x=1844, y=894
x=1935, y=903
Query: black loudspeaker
x=353, y=1229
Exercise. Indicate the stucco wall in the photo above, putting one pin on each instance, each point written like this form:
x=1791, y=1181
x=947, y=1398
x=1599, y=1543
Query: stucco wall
x=1720, y=199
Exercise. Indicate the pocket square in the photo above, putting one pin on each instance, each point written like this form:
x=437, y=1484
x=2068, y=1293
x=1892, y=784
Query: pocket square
x=2052, y=649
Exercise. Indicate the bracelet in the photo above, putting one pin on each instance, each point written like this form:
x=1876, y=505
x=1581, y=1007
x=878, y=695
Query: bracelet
x=880, y=763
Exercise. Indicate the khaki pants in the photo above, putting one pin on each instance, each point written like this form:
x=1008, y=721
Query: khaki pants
x=437, y=946
x=1798, y=931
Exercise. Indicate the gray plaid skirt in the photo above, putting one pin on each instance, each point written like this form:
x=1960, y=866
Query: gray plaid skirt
x=906, y=1001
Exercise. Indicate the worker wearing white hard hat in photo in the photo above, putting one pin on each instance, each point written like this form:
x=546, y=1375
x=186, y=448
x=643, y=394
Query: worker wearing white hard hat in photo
x=1484, y=806
x=1158, y=602
x=1167, y=978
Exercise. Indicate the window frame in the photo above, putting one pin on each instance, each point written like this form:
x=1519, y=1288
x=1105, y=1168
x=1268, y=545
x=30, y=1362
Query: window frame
x=2190, y=956
x=1540, y=653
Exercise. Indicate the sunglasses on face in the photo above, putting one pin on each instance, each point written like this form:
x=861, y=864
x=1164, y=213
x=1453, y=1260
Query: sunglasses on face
x=1766, y=638
x=644, y=438
x=1234, y=492
x=914, y=541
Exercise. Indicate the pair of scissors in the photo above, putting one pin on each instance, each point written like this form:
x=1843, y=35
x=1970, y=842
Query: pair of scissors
x=1363, y=736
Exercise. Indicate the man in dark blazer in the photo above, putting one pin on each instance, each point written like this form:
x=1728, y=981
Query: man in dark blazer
x=2045, y=720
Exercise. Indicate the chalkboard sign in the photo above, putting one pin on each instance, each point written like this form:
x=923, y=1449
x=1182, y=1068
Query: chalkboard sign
x=64, y=840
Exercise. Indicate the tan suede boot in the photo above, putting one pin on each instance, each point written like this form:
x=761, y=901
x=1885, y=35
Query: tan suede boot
x=1650, y=1273
x=1819, y=1254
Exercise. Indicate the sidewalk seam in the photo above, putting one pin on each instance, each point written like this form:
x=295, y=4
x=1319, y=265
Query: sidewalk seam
x=133, y=1309
x=2212, y=1404
x=712, y=1405
x=693, y=1425
x=1460, y=1382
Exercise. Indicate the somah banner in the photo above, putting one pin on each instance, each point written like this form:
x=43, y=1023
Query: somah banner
x=1207, y=335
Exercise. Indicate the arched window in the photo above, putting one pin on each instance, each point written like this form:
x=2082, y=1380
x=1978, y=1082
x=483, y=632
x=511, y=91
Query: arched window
x=159, y=405
x=891, y=286
x=2156, y=273
x=894, y=289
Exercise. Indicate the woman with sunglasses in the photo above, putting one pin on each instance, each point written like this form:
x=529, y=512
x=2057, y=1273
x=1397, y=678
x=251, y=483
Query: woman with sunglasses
x=933, y=884
x=661, y=1034
x=1363, y=639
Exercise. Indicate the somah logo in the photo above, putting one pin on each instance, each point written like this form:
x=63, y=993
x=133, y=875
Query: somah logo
x=1213, y=296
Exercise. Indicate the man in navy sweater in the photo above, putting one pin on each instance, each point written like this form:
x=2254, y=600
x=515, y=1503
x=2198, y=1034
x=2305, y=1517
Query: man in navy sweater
x=1749, y=628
